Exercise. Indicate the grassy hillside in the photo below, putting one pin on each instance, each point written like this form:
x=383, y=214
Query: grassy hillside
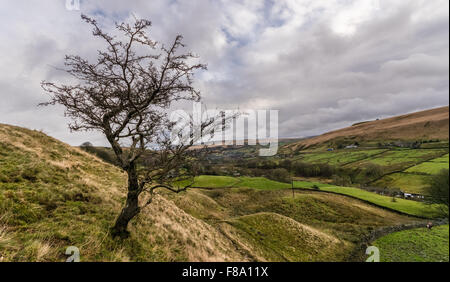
x=53, y=196
x=274, y=225
x=424, y=125
x=416, y=245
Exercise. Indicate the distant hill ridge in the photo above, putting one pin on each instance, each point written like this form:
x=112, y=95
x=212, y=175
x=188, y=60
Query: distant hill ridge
x=423, y=125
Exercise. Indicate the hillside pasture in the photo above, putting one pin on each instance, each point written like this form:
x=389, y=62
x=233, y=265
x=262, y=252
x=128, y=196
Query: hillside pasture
x=443, y=159
x=428, y=167
x=339, y=157
x=406, y=182
x=405, y=206
x=404, y=157
x=415, y=245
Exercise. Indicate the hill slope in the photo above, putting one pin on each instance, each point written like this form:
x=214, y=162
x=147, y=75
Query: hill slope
x=53, y=196
x=429, y=124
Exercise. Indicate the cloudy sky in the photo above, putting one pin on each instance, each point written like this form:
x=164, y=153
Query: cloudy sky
x=324, y=64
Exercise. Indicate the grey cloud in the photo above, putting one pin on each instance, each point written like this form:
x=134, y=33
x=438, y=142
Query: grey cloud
x=284, y=56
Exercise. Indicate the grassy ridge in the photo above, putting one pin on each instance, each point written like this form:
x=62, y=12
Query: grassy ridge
x=416, y=245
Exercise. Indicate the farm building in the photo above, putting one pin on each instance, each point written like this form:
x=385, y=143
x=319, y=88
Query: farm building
x=351, y=146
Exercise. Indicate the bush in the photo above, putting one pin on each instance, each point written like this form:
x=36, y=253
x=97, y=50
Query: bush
x=312, y=170
x=280, y=174
x=374, y=171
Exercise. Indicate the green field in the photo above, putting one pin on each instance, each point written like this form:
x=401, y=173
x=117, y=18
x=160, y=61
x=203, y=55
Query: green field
x=406, y=169
x=404, y=157
x=407, y=182
x=213, y=181
x=443, y=159
x=340, y=157
x=402, y=205
x=428, y=167
x=416, y=245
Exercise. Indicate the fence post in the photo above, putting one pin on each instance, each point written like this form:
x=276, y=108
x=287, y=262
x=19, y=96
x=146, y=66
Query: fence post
x=292, y=183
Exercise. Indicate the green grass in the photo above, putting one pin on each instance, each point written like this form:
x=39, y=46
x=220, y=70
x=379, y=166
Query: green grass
x=261, y=183
x=53, y=196
x=404, y=157
x=339, y=157
x=213, y=181
x=443, y=159
x=342, y=217
x=407, y=182
x=415, y=245
x=280, y=238
x=406, y=206
x=428, y=168
x=441, y=144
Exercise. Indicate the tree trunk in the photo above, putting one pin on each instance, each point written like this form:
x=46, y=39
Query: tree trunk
x=131, y=208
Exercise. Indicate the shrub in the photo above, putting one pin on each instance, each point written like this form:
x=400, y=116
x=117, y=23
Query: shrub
x=280, y=174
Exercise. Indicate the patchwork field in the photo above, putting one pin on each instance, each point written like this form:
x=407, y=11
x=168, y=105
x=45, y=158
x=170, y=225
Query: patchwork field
x=416, y=245
x=340, y=157
x=402, y=158
x=409, y=170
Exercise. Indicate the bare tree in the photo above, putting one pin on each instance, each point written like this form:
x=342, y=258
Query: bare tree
x=125, y=94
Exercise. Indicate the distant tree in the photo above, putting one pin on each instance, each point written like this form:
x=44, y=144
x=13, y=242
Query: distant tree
x=86, y=144
x=125, y=95
x=438, y=190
